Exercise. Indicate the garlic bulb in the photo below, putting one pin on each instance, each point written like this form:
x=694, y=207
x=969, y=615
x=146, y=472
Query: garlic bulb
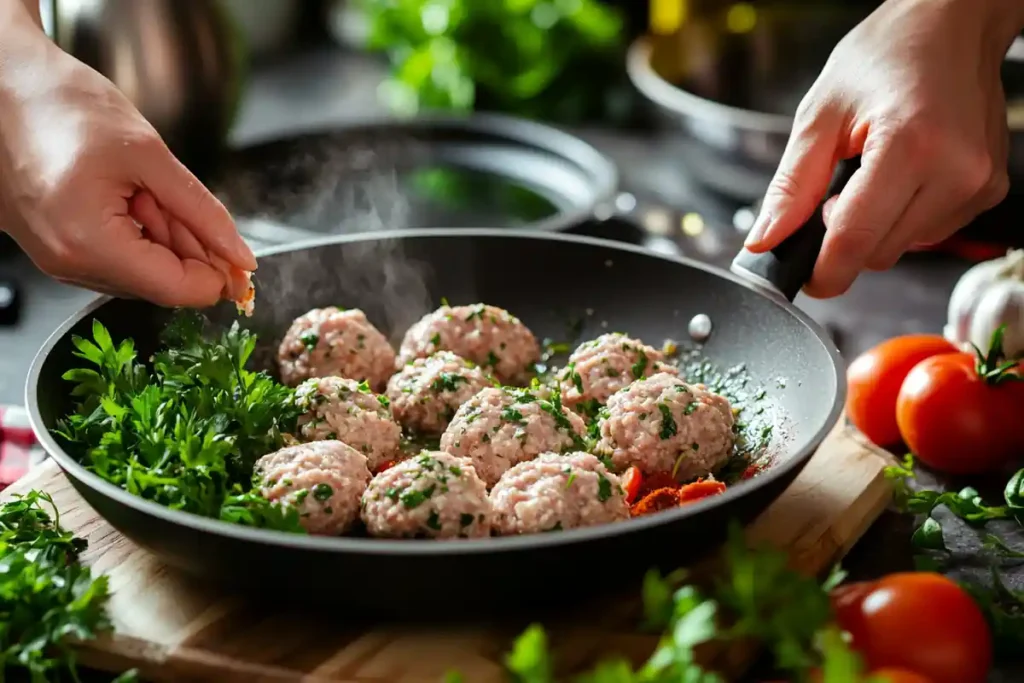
x=989, y=295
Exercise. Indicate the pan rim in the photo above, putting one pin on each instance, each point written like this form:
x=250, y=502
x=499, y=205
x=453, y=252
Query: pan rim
x=430, y=548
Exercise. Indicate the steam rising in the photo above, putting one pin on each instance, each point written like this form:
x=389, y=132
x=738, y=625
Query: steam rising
x=326, y=183
x=334, y=187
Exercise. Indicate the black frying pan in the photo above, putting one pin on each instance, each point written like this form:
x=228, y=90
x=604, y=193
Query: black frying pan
x=544, y=279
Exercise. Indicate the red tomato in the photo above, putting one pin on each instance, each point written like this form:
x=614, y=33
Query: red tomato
x=917, y=621
x=631, y=481
x=874, y=379
x=899, y=676
x=956, y=421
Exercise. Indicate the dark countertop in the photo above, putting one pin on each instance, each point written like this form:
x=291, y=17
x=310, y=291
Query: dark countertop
x=325, y=86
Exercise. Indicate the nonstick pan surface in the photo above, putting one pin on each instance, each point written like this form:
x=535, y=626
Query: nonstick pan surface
x=545, y=279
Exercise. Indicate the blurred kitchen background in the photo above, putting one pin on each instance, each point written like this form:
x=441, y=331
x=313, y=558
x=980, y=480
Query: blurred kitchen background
x=656, y=122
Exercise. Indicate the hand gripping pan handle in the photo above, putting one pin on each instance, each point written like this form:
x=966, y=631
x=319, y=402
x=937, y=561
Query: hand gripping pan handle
x=787, y=268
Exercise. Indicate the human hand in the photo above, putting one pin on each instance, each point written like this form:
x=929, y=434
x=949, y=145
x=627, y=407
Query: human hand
x=81, y=169
x=914, y=90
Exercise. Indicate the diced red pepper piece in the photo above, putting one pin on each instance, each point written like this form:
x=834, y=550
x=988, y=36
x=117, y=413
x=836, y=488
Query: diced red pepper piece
x=656, y=501
x=631, y=482
x=700, y=489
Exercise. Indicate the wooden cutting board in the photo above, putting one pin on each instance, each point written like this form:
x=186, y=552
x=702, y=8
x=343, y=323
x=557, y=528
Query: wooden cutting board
x=173, y=628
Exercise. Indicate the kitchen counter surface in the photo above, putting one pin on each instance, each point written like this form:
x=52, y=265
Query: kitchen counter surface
x=326, y=86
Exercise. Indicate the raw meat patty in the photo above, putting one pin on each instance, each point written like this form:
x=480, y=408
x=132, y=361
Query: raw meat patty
x=431, y=495
x=489, y=336
x=663, y=424
x=334, y=342
x=500, y=427
x=346, y=410
x=426, y=393
x=323, y=480
x=600, y=367
x=555, y=492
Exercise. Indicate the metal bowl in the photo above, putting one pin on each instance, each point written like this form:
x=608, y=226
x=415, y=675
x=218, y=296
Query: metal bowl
x=726, y=99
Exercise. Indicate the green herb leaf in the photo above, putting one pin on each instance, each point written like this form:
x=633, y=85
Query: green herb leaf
x=965, y=503
x=640, y=366
x=928, y=536
x=186, y=431
x=46, y=595
x=840, y=663
x=529, y=661
x=993, y=367
x=447, y=381
x=668, y=423
x=757, y=598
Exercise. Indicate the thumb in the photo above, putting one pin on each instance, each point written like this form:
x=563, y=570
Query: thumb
x=800, y=181
x=182, y=195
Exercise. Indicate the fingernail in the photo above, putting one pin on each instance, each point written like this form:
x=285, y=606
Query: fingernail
x=245, y=256
x=757, y=232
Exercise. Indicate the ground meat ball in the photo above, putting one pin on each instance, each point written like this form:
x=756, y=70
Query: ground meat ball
x=431, y=495
x=330, y=341
x=324, y=480
x=346, y=410
x=500, y=427
x=662, y=424
x=489, y=336
x=600, y=367
x=427, y=392
x=556, y=492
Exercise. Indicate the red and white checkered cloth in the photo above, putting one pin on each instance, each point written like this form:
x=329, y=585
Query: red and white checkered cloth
x=19, y=450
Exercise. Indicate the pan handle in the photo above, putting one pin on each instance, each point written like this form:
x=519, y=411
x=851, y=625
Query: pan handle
x=786, y=269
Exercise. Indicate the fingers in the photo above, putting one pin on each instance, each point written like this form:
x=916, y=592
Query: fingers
x=802, y=178
x=172, y=234
x=153, y=272
x=142, y=207
x=933, y=216
x=973, y=182
x=182, y=195
x=926, y=220
x=866, y=210
x=236, y=280
x=186, y=245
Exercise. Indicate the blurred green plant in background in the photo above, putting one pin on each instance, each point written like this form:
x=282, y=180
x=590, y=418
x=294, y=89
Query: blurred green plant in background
x=548, y=59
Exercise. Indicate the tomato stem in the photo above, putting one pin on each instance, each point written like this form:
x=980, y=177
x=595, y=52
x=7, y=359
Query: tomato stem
x=994, y=368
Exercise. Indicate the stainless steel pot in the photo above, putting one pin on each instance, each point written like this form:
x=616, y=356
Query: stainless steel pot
x=727, y=98
x=179, y=61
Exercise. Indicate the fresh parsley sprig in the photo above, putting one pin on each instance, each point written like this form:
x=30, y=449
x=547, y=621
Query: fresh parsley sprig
x=48, y=599
x=1003, y=607
x=186, y=431
x=967, y=504
x=757, y=598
